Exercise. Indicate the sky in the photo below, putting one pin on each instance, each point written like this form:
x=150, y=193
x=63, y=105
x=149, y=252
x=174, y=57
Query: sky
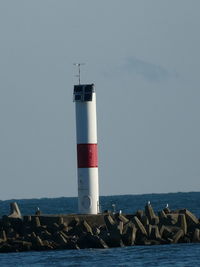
x=144, y=59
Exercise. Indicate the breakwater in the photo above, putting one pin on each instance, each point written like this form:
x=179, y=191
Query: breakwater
x=72, y=231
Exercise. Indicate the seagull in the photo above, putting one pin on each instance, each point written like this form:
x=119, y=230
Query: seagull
x=167, y=206
x=149, y=203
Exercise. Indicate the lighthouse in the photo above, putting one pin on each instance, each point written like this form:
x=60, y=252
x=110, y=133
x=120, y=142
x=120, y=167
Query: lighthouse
x=87, y=155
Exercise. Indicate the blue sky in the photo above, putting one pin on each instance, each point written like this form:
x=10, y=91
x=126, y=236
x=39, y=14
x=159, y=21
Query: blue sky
x=143, y=57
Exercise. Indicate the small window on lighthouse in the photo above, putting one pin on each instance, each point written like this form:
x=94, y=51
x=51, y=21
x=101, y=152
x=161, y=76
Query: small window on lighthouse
x=88, y=97
x=78, y=89
x=77, y=97
x=88, y=89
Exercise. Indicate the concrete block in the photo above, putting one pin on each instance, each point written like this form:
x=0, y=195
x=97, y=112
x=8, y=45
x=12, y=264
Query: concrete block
x=172, y=218
x=182, y=223
x=96, y=230
x=148, y=229
x=91, y=241
x=130, y=235
x=190, y=217
x=196, y=236
x=38, y=242
x=86, y=227
x=149, y=212
x=63, y=227
x=46, y=235
x=177, y=236
x=166, y=210
x=123, y=219
x=155, y=242
x=60, y=239
x=144, y=220
x=14, y=211
x=155, y=234
x=3, y=236
x=60, y=220
x=120, y=227
x=36, y=221
x=155, y=220
x=166, y=232
x=139, y=214
x=162, y=214
x=139, y=226
x=109, y=222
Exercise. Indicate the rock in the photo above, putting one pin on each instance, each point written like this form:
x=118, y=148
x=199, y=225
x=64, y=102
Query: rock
x=14, y=211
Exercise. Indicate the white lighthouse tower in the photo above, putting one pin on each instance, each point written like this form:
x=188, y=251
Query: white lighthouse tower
x=87, y=155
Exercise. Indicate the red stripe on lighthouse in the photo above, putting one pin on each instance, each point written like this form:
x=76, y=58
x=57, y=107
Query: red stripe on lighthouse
x=87, y=155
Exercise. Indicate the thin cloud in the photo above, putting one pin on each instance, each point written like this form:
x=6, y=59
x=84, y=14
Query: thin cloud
x=148, y=71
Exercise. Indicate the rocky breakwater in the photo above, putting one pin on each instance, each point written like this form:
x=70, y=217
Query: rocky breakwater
x=50, y=232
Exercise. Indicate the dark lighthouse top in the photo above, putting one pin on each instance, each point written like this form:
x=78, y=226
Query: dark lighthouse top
x=83, y=92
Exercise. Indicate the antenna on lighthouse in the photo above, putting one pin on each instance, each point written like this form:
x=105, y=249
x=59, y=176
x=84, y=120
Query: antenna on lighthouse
x=79, y=71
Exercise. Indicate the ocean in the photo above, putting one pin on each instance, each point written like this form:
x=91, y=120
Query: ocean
x=163, y=255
